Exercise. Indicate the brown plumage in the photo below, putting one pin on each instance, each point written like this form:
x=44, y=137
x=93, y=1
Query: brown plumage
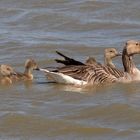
x=109, y=54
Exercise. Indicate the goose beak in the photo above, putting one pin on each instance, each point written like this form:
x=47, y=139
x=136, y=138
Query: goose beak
x=37, y=69
x=13, y=73
x=119, y=54
x=42, y=69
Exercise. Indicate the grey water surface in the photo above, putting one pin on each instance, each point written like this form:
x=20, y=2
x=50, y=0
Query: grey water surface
x=78, y=28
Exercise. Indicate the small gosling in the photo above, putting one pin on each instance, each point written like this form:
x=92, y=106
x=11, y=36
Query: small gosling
x=30, y=65
x=6, y=74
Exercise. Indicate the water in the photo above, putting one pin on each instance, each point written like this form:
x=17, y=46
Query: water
x=78, y=28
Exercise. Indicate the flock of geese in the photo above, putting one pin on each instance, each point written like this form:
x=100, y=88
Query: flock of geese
x=82, y=74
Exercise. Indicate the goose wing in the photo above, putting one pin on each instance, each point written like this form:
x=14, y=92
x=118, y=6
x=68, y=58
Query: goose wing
x=113, y=71
x=90, y=74
x=90, y=61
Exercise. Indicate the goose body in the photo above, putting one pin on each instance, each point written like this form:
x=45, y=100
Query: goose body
x=127, y=77
x=80, y=75
x=109, y=54
x=62, y=78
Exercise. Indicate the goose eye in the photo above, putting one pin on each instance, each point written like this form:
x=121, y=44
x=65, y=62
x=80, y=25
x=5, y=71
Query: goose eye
x=8, y=69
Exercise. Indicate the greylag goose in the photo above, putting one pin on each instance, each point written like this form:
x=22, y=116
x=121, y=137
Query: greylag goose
x=109, y=54
x=30, y=65
x=87, y=74
x=6, y=73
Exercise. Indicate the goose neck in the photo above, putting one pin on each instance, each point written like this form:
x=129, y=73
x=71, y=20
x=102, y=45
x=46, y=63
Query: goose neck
x=108, y=62
x=127, y=62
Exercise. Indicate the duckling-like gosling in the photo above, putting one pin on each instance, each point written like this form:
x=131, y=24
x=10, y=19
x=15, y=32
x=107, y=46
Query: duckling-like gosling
x=6, y=74
x=30, y=65
x=91, y=61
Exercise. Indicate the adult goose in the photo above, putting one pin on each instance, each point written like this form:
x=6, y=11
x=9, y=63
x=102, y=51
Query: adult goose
x=6, y=73
x=87, y=74
x=109, y=54
x=30, y=65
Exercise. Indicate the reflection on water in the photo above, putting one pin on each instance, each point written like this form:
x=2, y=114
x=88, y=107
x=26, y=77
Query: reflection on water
x=79, y=28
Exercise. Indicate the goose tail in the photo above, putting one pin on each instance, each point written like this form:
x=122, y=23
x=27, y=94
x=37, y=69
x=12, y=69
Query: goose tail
x=62, y=78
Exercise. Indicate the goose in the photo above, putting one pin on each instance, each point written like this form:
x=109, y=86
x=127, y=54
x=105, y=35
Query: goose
x=6, y=73
x=109, y=54
x=30, y=65
x=87, y=74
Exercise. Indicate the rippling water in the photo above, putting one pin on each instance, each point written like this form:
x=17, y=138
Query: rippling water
x=78, y=28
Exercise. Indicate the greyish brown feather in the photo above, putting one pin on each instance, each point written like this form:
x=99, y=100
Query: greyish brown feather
x=88, y=73
x=109, y=67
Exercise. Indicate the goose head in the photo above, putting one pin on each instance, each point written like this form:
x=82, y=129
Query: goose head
x=91, y=61
x=30, y=65
x=132, y=47
x=109, y=54
x=7, y=70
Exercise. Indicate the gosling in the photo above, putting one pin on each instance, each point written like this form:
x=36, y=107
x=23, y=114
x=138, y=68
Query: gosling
x=6, y=74
x=27, y=75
